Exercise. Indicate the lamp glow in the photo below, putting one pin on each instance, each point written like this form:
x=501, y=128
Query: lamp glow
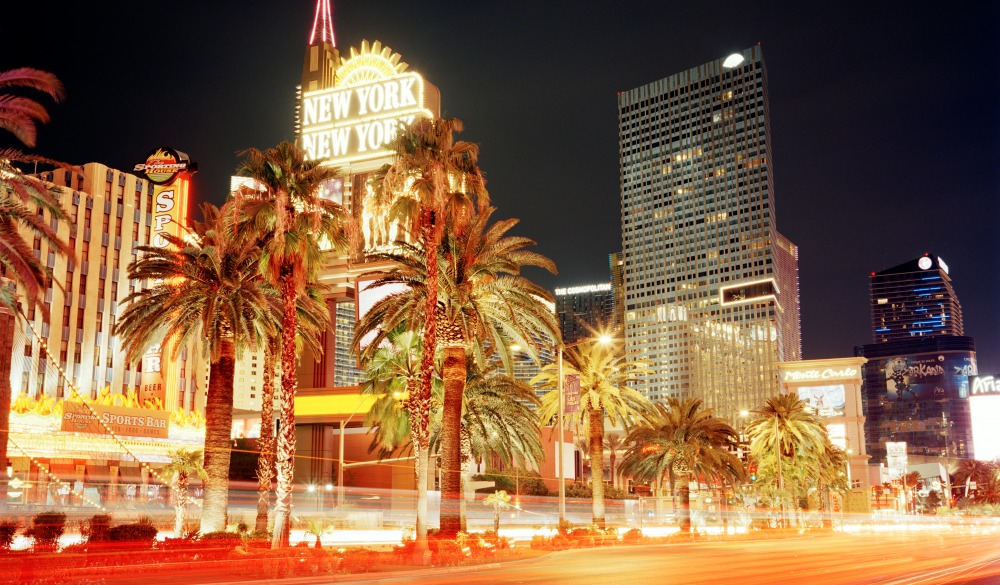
x=733, y=60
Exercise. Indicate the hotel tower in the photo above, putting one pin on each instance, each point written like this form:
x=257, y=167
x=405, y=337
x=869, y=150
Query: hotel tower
x=711, y=287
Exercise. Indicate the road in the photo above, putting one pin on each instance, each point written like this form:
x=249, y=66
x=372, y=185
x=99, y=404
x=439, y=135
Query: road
x=908, y=558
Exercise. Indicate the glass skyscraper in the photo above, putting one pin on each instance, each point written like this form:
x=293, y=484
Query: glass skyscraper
x=914, y=299
x=711, y=287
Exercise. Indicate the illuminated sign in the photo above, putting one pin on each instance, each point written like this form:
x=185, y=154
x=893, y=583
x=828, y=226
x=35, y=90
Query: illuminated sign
x=360, y=122
x=128, y=422
x=589, y=288
x=942, y=265
x=749, y=292
x=827, y=374
x=929, y=376
x=164, y=164
x=925, y=263
x=984, y=386
x=825, y=401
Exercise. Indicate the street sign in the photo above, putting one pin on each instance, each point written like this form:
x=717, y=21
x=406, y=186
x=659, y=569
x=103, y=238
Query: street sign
x=571, y=393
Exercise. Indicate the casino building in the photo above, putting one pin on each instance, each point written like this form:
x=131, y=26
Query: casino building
x=351, y=105
x=919, y=362
x=151, y=407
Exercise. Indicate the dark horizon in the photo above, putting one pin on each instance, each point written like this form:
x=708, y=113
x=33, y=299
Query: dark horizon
x=884, y=121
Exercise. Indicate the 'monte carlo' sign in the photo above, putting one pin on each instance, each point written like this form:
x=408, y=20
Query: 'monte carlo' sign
x=357, y=119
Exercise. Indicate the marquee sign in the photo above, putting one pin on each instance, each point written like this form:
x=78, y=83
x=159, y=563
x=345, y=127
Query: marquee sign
x=127, y=422
x=825, y=374
x=358, y=119
x=984, y=386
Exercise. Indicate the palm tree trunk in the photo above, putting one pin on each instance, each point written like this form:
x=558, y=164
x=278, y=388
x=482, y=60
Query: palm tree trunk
x=614, y=476
x=6, y=347
x=265, y=444
x=285, y=456
x=180, y=505
x=218, y=438
x=421, y=553
x=421, y=400
x=595, y=420
x=451, y=452
x=684, y=491
x=466, y=456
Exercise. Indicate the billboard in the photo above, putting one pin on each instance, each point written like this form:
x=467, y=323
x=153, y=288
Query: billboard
x=929, y=376
x=826, y=401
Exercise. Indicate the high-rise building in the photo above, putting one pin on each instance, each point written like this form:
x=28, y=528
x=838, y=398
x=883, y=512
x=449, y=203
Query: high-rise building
x=916, y=391
x=583, y=311
x=711, y=287
x=111, y=214
x=914, y=299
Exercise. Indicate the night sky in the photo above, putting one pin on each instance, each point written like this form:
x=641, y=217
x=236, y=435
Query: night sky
x=884, y=117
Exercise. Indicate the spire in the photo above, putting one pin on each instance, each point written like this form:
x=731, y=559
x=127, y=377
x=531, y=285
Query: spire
x=323, y=24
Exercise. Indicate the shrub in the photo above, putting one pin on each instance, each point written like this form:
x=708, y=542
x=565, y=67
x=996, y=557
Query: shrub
x=518, y=480
x=578, y=489
x=98, y=529
x=45, y=530
x=8, y=528
x=633, y=536
x=222, y=539
x=140, y=534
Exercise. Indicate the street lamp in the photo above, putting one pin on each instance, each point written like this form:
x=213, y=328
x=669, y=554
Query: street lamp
x=340, y=464
x=560, y=348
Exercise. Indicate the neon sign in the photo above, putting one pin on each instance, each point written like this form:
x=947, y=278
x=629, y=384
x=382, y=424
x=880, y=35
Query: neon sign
x=359, y=122
x=827, y=374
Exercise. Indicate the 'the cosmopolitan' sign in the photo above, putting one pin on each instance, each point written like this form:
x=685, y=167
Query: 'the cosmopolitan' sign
x=360, y=121
x=827, y=374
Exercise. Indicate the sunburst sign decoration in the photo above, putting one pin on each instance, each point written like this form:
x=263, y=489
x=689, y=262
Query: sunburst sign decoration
x=373, y=63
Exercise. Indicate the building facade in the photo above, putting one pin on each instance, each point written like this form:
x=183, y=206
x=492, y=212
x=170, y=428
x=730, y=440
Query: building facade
x=711, y=287
x=917, y=392
x=111, y=214
x=914, y=299
x=832, y=388
x=585, y=310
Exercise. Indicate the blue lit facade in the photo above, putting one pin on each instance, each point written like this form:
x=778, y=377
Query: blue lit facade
x=914, y=299
x=917, y=391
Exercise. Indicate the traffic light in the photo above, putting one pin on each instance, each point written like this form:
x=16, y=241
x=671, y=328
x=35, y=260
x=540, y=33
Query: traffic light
x=753, y=473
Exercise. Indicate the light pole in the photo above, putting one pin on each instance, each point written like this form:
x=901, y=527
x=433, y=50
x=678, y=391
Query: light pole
x=560, y=348
x=340, y=460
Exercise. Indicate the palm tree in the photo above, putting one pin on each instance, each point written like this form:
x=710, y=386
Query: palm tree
x=313, y=316
x=973, y=470
x=685, y=442
x=485, y=305
x=18, y=114
x=21, y=197
x=784, y=430
x=183, y=464
x=605, y=373
x=393, y=372
x=435, y=180
x=296, y=226
x=209, y=289
x=497, y=422
x=614, y=442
